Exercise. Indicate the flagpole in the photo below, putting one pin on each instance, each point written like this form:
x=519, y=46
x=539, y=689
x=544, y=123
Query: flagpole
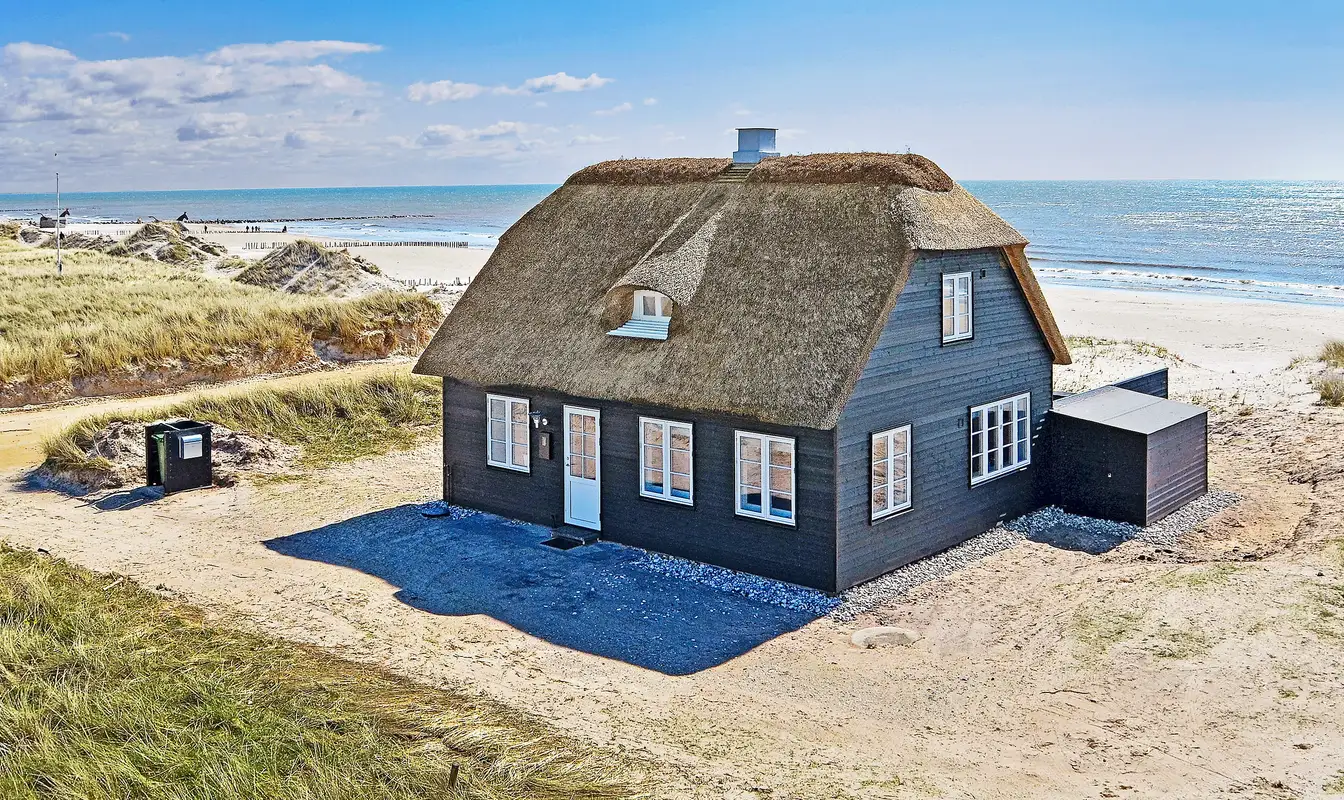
x=58, y=217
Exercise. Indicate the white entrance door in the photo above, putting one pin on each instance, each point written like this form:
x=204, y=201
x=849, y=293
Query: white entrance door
x=583, y=468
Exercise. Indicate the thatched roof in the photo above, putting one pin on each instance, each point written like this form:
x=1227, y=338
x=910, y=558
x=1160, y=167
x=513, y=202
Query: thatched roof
x=780, y=284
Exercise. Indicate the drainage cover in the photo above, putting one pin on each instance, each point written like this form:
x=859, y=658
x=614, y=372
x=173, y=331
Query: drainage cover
x=561, y=544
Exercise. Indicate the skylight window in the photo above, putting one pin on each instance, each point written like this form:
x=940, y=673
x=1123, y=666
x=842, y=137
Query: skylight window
x=652, y=305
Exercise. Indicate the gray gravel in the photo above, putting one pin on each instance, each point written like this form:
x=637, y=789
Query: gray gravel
x=898, y=582
x=1050, y=525
x=754, y=587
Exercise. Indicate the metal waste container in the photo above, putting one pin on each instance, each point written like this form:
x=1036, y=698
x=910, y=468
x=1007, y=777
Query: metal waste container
x=177, y=455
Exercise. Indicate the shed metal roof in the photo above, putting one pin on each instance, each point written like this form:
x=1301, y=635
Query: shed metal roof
x=1126, y=410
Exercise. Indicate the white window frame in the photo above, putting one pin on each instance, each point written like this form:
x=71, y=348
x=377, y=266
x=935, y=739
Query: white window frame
x=662, y=305
x=509, y=439
x=891, y=482
x=666, y=465
x=766, y=487
x=958, y=280
x=981, y=470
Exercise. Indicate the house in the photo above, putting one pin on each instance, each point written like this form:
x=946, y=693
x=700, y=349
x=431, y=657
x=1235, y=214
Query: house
x=814, y=368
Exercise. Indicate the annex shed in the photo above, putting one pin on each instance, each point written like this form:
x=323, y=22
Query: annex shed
x=1126, y=455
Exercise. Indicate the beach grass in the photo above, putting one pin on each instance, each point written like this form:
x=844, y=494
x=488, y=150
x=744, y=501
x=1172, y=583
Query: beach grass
x=332, y=421
x=109, y=691
x=1333, y=353
x=1331, y=388
x=116, y=318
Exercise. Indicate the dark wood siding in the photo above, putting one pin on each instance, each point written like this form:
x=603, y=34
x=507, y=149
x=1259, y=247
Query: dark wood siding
x=912, y=377
x=1097, y=470
x=1178, y=466
x=1153, y=383
x=708, y=531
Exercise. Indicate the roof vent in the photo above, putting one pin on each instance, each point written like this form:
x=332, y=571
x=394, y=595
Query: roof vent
x=754, y=144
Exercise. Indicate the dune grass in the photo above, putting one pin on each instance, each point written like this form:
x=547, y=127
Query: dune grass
x=111, y=316
x=1333, y=353
x=108, y=691
x=332, y=420
x=1331, y=388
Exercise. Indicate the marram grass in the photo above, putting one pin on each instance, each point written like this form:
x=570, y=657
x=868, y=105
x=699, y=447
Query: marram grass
x=112, y=316
x=332, y=420
x=108, y=692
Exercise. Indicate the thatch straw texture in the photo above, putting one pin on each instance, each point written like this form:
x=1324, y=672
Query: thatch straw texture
x=886, y=169
x=780, y=291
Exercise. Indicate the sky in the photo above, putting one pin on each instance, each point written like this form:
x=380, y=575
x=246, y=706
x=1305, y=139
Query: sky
x=174, y=95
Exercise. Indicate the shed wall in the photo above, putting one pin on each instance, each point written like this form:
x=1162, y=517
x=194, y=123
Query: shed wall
x=1096, y=470
x=1178, y=467
x=708, y=531
x=911, y=377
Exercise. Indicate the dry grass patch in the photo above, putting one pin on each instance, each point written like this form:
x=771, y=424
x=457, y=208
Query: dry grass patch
x=108, y=691
x=108, y=316
x=331, y=422
x=1333, y=354
x=1331, y=388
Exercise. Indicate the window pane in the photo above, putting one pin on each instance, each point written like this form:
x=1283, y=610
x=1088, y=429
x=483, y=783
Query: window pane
x=992, y=464
x=949, y=287
x=749, y=499
x=681, y=461
x=964, y=306
x=653, y=433
x=781, y=505
x=749, y=448
x=653, y=481
x=497, y=451
x=976, y=423
x=650, y=305
x=496, y=430
x=899, y=442
x=880, y=473
x=680, y=437
x=590, y=468
x=751, y=474
x=899, y=494
x=496, y=409
x=681, y=486
x=520, y=455
x=519, y=412
x=781, y=454
x=781, y=479
x=519, y=432
x=898, y=470
x=590, y=446
x=653, y=457
x=879, y=447
x=575, y=444
x=589, y=424
x=879, y=499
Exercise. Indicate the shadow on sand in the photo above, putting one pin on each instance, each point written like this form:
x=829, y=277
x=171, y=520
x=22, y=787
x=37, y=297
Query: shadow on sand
x=596, y=599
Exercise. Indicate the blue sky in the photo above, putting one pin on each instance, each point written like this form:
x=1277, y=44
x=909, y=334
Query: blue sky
x=168, y=95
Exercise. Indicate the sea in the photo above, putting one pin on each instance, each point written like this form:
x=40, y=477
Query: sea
x=1258, y=240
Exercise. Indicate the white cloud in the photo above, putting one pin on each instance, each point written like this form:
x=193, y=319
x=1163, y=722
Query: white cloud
x=591, y=139
x=650, y=101
x=205, y=126
x=558, y=82
x=125, y=37
x=439, y=91
x=39, y=82
x=614, y=110
x=287, y=52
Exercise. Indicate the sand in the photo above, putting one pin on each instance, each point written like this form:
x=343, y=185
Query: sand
x=443, y=264
x=1040, y=673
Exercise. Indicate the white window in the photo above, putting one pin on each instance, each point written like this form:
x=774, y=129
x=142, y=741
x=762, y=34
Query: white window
x=1000, y=437
x=665, y=460
x=891, y=472
x=956, y=307
x=506, y=432
x=651, y=305
x=765, y=485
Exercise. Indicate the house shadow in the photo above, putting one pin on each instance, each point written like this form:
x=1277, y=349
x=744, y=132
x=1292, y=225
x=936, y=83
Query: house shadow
x=1091, y=540
x=597, y=599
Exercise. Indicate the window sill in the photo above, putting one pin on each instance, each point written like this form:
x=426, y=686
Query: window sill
x=764, y=518
x=959, y=339
x=1002, y=474
x=890, y=515
x=507, y=468
x=676, y=501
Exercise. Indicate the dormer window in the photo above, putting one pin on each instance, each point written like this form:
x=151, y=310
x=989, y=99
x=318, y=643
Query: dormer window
x=651, y=305
x=956, y=307
x=649, y=318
